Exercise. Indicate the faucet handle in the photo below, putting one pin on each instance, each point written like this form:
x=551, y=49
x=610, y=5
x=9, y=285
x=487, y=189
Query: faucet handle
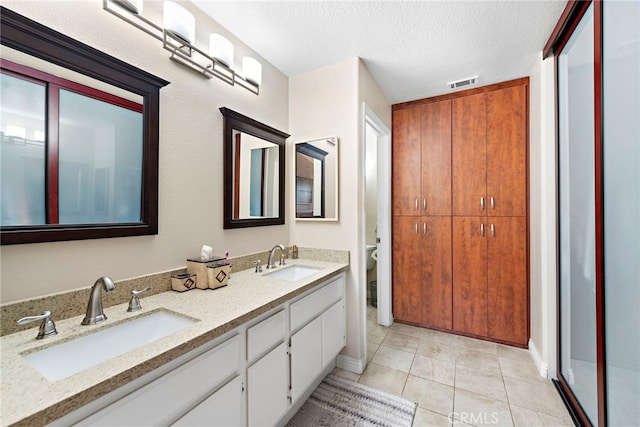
x=134, y=302
x=47, y=327
x=283, y=255
x=258, y=265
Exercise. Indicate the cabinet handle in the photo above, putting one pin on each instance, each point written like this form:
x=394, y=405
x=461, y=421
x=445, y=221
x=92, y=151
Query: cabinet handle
x=424, y=228
x=424, y=204
x=416, y=203
x=493, y=203
x=482, y=203
x=493, y=230
x=416, y=228
x=482, y=230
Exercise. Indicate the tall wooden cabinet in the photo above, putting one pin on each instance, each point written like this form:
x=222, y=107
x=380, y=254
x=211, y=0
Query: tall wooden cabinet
x=422, y=215
x=460, y=234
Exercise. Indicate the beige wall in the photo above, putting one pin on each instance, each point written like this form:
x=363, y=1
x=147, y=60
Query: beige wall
x=190, y=199
x=326, y=102
x=543, y=195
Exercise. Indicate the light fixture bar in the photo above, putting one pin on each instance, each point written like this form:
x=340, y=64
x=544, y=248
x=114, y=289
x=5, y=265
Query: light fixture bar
x=181, y=51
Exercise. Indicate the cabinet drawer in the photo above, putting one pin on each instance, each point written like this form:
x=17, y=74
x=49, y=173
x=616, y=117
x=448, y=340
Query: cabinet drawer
x=266, y=334
x=170, y=396
x=310, y=306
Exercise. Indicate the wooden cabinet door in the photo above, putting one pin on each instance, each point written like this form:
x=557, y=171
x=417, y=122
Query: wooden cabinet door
x=436, y=272
x=470, y=275
x=469, y=153
x=436, y=158
x=507, y=279
x=507, y=151
x=407, y=261
x=406, y=161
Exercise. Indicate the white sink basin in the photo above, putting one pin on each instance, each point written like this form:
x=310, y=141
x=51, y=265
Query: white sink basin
x=295, y=272
x=66, y=359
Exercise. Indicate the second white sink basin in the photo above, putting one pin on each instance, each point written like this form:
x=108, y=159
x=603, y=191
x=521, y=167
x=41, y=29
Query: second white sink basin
x=66, y=359
x=295, y=272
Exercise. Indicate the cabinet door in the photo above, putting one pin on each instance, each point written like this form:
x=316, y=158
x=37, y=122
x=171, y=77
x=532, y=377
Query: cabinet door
x=507, y=151
x=173, y=394
x=267, y=387
x=469, y=153
x=470, y=275
x=436, y=272
x=223, y=408
x=407, y=261
x=406, y=161
x=507, y=279
x=333, y=332
x=436, y=158
x=306, y=357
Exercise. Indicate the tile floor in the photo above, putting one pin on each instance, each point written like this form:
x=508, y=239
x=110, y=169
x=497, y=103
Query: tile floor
x=457, y=380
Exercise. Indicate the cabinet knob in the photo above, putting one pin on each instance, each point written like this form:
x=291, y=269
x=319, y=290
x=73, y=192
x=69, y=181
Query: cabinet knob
x=416, y=228
x=424, y=228
x=482, y=230
x=493, y=230
x=416, y=203
x=493, y=203
x=482, y=203
x=424, y=204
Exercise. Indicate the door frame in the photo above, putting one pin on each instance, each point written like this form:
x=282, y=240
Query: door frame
x=383, y=133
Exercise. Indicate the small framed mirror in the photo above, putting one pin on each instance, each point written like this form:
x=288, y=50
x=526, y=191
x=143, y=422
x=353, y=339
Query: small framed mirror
x=254, y=167
x=317, y=180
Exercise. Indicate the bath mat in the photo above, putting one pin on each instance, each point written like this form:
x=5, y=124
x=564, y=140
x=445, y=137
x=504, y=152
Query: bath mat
x=341, y=402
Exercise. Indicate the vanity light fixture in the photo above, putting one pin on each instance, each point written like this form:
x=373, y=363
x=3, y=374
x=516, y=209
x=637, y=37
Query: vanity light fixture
x=177, y=35
x=221, y=49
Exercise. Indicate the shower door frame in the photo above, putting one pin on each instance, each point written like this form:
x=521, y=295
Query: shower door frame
x=568, y=22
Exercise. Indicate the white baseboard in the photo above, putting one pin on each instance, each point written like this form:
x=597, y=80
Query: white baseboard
x=543, y=368
x=350, y=364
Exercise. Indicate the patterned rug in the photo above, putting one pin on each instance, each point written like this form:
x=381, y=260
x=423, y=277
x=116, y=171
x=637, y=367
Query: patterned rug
x=341, y=402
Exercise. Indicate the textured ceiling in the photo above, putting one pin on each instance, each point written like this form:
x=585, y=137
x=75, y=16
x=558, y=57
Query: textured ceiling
x=412, y=48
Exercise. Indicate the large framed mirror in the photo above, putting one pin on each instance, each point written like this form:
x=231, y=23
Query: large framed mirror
x=79, y=139
x=317, y=180
x=254, y=168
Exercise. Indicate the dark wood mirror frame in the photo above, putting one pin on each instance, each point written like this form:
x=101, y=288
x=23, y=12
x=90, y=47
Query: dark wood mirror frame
x=30, y=37
x=238, y=122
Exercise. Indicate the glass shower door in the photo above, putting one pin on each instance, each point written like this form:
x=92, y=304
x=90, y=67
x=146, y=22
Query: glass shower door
x=577, y=216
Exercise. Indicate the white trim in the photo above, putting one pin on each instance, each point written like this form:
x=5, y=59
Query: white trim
x=351, y=364
x=543, y=369
x=385, y=316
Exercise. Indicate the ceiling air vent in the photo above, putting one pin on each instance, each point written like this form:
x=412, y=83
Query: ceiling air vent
x=464, y=82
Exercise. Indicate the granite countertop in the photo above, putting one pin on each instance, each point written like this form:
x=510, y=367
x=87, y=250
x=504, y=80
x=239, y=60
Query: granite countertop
x=30, y=399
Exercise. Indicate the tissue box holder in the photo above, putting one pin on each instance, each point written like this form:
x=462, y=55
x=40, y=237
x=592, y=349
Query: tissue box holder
x=198, y=267
x=218, y=275
x=183, y=281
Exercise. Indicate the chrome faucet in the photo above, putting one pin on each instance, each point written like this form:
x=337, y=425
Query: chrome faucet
x=271, y=263
x=95, y=314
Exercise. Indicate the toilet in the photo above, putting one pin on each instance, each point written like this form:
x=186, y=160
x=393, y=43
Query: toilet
x=371, y=260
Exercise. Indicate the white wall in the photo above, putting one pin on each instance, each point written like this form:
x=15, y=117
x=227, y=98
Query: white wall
x=543, y=280
x=326, y=102
x=190, y=182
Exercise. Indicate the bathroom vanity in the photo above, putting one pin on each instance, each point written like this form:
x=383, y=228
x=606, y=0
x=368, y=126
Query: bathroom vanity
x=255, y=351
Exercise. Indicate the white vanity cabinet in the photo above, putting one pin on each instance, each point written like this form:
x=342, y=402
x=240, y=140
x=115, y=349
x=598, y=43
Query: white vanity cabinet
x=316, y=344
x=268, y=370
x=253, y=375
x=173, y=395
